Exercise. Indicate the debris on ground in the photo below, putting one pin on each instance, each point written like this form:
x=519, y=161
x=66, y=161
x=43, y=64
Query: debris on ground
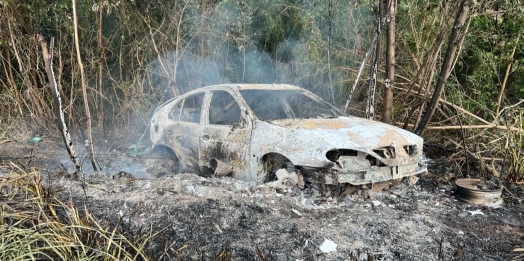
x=204, y=217
x=328, y=246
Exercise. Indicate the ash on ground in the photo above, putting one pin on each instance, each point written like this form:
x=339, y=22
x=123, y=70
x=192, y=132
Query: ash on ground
x=197, y=218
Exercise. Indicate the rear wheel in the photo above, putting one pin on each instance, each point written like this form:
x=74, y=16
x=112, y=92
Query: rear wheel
x=172, y=162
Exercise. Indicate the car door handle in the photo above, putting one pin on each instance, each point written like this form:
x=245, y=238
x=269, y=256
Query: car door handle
x=205, y=137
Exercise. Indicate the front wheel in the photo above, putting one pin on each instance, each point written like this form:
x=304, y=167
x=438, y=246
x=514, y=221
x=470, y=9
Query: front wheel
x=276, y=171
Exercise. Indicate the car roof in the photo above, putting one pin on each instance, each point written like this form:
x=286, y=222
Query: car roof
x=235, y=86
x=253, y=86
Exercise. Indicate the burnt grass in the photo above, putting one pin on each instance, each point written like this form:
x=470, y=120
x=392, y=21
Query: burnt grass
x=196, y=218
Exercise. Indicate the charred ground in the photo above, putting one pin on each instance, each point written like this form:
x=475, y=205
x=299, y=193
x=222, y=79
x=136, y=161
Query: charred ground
x=212, y=218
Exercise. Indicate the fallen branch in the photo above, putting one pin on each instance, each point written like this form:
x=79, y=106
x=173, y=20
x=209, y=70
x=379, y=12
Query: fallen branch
x=487, y=126
x=458, y=127
x=482, y=158
x=458, y=108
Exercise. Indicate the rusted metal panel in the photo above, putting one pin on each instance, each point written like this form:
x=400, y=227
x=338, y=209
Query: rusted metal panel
x=182, y=137
x=476, y=191
x=379, y=174
x=220, y=168
x=332, y=148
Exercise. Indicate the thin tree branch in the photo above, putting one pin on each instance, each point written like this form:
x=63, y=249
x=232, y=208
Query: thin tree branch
x=84, y=92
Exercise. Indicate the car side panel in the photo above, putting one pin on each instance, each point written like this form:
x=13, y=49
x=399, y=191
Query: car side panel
x=182, y=137
x=226, y=143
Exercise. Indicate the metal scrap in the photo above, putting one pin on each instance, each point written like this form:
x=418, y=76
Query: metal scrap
x=256, y=131
x=476, y=191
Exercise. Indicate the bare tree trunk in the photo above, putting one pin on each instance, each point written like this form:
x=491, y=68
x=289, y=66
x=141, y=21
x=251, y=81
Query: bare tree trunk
x=84, y=92
x=390, y=62
x=446, y=65
x=203, y=16
x=370, y=105
x=425, y=73
x=101, y=68
x=330, y=15
x=48, y=61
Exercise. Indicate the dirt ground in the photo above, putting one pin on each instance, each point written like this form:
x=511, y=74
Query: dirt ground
x=219, y=218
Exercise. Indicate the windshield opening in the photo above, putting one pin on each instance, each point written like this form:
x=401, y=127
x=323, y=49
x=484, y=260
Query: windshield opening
x=287, y=104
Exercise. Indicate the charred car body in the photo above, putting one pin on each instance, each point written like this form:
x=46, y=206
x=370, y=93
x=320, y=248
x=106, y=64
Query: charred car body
x=275, y=134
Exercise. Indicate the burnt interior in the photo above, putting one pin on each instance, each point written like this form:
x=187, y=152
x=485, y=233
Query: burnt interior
x=271, y=163
x=334, y=155
x=375, y=162
x=411, y=150
x=386, y=152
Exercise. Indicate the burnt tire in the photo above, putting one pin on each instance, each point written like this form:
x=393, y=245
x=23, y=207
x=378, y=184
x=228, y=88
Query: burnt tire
x=268, y=165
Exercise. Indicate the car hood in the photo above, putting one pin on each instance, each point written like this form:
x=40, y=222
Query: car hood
x=303, y=139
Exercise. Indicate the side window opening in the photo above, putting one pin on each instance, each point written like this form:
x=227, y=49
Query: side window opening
x=224, y=109
x=174, y=114
x=192, y=108
x=305, y=107
x=267, y=105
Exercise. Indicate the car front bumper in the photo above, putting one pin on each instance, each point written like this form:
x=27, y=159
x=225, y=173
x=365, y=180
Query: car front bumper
x=368, y=176
x=381, y=174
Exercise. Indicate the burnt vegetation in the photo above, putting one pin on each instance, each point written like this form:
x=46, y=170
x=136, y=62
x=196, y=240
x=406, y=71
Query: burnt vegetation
x=450, y=71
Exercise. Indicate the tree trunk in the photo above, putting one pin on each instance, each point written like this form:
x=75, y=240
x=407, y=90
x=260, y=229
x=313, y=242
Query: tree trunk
x=101, y=68
x=446, y=65
x=390, y=62
x=330, y=15
x=48, y=61
x=84, y=92
x=370, y=105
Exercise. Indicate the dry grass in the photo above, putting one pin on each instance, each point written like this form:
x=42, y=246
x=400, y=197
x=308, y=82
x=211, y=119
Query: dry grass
x=34, y=225
x=515, y=149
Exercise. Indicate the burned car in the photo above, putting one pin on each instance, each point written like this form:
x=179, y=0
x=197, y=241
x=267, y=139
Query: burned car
x=277, y=134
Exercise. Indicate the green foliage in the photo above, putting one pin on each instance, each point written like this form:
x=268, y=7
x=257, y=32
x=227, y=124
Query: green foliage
x=153, y=49
x=488, y=50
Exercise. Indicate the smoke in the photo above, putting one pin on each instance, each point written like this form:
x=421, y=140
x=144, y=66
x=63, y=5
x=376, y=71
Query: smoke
x=187, y=71
x=226, y=46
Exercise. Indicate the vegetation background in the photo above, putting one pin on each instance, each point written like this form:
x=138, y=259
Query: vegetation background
x=138, y=54
x=132, y=55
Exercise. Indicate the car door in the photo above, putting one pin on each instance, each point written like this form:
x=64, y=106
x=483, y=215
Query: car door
x=183, y=128
x=225, y=133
